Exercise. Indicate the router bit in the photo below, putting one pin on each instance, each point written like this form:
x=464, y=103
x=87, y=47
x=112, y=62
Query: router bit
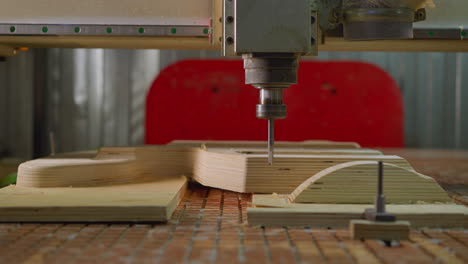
x=271, y=140
x=271, y=73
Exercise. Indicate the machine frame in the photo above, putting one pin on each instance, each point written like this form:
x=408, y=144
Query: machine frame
x=195, y=24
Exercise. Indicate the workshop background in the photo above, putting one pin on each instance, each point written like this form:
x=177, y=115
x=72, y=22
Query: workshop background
x=93, y=97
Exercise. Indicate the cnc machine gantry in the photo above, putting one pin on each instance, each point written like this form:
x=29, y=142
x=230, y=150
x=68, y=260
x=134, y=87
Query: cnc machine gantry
x=270, y=35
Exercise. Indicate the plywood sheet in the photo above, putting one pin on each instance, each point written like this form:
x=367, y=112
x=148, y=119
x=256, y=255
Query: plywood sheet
x=274, y=210
x=109, y=166
x=151, y=201
x=250, y=172
x=364, y=229
x=318, y=144
x=356, y=182
x=121, y=165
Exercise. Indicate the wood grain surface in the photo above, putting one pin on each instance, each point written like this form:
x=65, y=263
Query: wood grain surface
x=123, y=165
x=250, y=171
x=209, y=227
x=274, y=211
x=355, y=183
x=150, y=201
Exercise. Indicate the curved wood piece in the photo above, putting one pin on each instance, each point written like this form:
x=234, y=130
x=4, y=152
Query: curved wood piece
x=356, y=183
x=109, y=166
x=122, y=165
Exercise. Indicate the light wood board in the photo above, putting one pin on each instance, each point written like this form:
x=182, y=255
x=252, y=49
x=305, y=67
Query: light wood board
x=318, y=144
x=356, y=182
x=109, y=166
x=364, y=229
x=151, y=201
x=242, y=168
x=243, y=172
x=123, y=165
x=274, y=210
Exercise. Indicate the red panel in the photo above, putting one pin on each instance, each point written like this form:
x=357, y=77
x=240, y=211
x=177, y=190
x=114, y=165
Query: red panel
x=342, y=101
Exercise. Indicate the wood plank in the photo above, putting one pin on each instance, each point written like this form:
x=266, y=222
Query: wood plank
x=356, y=182
x=250, y=172
x=364, y=229
x=276, y=210
x=151, y=201
x=124, y=165
x=109, y=166
x=320, y=144
x=242, y=169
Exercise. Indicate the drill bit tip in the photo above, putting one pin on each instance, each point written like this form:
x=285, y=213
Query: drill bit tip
x=271, y=140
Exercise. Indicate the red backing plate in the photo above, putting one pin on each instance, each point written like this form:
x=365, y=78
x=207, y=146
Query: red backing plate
x=341, y=101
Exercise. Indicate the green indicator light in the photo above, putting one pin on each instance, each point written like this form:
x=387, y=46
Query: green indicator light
x=463, y=33
x=45, y=29
x=205, y=31
x=173, y=30
x=109, y=30
x=77, y=29
x=12, y=29
x=141, y=30
x=431, y=33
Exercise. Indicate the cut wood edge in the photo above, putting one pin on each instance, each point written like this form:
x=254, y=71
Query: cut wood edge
x=142, y=202
x=250, y=173
x=55, y=171
x=263, y=144
x=364, y=229
x=122, y=165
x=401, y=185
x=108, y=166
x=339, y=215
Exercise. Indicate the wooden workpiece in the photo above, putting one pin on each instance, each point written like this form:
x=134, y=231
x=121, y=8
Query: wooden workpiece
x=238, y=144
x=123, y=165
x=90, y=186
x=210, y=226
x=277, y=210
x=355, y=182
x=108, y=166
x=240, y=170
x=310, y=171
x=364, y=229
x=250, y=171
x=150, y=201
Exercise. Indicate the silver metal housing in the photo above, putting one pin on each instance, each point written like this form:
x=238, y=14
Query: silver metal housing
x=270, y=26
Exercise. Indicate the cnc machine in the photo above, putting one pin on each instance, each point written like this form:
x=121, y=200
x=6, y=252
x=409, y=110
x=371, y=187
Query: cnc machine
x=270, y=35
